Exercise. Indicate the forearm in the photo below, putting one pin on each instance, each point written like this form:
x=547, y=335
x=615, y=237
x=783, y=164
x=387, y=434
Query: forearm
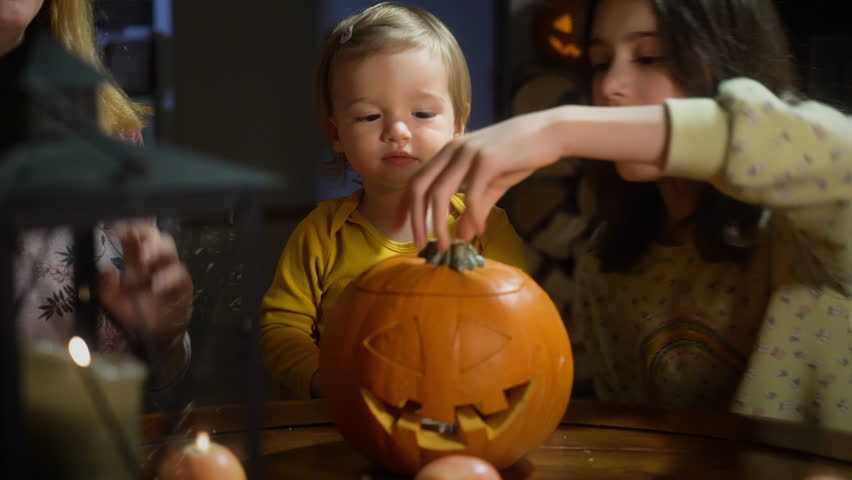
x=622, y=134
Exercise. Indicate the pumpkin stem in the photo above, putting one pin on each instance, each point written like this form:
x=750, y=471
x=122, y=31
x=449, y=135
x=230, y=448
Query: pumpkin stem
x=460, y=256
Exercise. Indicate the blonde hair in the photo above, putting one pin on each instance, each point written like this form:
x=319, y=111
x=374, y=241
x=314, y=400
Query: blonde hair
x=72, y=23
x=391, y=26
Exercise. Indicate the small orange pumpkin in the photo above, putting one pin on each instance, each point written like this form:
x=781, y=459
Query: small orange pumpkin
x=421, y=360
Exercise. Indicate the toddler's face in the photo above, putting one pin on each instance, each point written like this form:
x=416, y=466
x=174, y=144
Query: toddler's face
x=391, y=113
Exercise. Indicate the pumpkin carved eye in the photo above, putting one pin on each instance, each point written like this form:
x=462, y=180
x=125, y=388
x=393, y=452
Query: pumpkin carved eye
x=382, y=344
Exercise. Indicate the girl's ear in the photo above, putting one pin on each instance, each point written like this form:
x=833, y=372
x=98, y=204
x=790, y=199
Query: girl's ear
x=333, y=135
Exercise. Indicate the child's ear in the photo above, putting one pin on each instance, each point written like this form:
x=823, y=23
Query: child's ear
x=333, y=135
x=461, y=125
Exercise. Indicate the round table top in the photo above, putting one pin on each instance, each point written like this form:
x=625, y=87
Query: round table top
x=594, y=441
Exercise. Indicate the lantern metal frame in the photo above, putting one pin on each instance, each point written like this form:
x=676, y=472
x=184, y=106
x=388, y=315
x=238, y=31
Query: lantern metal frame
x=56, y=169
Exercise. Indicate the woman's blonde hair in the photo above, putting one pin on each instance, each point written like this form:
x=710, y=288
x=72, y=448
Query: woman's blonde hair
x=72, y=23
x=392, y=26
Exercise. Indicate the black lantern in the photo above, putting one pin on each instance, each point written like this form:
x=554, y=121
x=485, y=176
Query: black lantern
x=57, y=169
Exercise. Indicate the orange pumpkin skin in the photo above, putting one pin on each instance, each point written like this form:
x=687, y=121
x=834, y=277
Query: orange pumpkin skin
x=452, y=342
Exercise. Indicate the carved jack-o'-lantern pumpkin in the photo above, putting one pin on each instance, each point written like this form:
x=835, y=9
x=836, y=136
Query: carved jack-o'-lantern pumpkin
x=421, y=360
x=558, y=30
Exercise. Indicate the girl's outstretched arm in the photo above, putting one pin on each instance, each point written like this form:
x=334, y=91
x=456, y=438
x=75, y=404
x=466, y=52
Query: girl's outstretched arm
x=490, y=161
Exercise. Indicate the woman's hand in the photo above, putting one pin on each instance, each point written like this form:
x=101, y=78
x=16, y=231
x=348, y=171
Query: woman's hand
x=154, y=278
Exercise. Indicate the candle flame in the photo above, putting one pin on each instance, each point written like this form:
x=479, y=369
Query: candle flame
x=79, y=351
x=202, y=441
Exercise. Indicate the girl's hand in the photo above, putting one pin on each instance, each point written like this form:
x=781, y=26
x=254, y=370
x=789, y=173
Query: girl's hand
x=488, y=162
x=155, y=279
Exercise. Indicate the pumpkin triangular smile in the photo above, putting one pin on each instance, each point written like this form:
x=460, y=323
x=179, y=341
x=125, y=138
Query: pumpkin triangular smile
x=470, y=424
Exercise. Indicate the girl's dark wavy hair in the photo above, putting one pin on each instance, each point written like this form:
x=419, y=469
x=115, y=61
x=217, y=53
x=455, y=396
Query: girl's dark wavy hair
x=706, y=42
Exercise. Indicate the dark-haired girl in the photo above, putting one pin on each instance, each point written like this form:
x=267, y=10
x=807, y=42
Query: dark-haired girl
x=720, y=270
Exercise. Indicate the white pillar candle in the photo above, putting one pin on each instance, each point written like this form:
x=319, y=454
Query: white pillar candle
x=69, y=433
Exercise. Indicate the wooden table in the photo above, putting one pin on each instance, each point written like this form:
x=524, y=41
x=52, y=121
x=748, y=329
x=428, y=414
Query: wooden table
x=594, y=441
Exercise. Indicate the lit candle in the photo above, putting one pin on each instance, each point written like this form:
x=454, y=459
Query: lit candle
x=202, y=460
x=81, y=412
